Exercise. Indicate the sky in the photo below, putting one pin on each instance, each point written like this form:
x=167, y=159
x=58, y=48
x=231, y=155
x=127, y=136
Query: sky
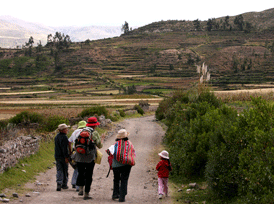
x=115, y=12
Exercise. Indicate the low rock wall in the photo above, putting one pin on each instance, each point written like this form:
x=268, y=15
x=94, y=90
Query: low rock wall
x=13, y=150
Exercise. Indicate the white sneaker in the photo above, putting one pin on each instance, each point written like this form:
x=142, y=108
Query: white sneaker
x=160, y=196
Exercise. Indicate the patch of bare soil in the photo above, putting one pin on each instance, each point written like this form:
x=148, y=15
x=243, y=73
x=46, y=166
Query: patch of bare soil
x=146, y=136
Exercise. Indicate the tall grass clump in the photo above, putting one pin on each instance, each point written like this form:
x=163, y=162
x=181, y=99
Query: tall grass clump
x=232, y=151
x=51, y=123
x=98, y=110
x=26, y=117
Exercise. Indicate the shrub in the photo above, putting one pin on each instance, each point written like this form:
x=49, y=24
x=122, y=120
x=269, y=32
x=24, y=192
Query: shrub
x=99, y=110
x=51, y=123
x=139, y=109
x=167, y=103
x=122, y=113
x=3, y=124
x=26, y=117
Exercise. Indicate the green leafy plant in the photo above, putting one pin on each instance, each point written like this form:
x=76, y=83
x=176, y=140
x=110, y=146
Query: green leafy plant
x=99, y=110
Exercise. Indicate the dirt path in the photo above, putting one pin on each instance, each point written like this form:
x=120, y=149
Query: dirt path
x=146, y=136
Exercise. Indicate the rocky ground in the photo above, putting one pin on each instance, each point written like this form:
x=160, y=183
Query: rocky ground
x=146, y=136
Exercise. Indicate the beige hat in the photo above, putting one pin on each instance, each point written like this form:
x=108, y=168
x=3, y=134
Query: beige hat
x=62, y=126
x=122, y=134
x=164, y=154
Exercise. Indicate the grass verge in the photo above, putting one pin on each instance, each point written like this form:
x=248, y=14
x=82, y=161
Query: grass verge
x=26, y=169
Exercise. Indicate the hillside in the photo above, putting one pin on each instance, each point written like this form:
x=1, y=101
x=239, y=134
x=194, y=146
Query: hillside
x=157, y=58
x=15, y=32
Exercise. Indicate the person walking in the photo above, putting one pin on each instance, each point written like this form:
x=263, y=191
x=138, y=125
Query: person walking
x=123, y=160
x=163, y=168
x=85, y=162
x=62, y=157
x=71, y=141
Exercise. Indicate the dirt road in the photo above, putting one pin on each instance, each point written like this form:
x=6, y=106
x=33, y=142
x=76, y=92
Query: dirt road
x=146, y=136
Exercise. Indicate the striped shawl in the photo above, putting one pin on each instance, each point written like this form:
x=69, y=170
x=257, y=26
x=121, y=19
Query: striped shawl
x=124, y=152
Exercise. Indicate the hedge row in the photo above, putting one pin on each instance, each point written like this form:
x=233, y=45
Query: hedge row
x=233, y=151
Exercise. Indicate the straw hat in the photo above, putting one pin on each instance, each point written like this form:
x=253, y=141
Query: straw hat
x=122, y=134
x=82, y=124
x=164, y=154
x=62, y=127
x=92, y=121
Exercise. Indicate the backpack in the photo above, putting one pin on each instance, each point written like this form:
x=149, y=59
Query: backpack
x=84, y=141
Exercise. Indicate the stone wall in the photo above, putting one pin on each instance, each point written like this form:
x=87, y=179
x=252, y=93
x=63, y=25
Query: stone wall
x=13, y=150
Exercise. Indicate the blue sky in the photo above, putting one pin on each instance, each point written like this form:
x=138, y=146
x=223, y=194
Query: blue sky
x=115, y=13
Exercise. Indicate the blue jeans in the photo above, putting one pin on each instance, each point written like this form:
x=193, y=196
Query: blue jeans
x=74, y=176
x=62, y=172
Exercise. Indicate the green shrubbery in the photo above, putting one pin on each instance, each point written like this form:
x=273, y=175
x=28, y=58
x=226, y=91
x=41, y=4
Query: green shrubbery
x=139, y=109
x=233, y=152
x=46, y=123
x=98, y=110
x=26, y=117
x=52, y=122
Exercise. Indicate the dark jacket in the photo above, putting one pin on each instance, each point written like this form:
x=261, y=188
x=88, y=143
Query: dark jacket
x=61, y=146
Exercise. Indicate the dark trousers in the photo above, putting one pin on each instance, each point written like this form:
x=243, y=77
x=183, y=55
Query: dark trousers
x=62, y=172
x=120, y=181
x=85, y=172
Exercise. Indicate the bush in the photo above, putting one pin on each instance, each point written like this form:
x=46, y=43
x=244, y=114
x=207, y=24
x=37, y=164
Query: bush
x=52, y=122
x=26, y=117
x=234, y=152
x=122, y=113
x=3, y=124
x=99, y=110
x=139, y=109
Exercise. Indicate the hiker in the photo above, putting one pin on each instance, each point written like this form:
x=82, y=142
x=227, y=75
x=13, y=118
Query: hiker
x=71, y=140
x=123, y=160
x=62, y=157
x=85, y=162
x=163, y=168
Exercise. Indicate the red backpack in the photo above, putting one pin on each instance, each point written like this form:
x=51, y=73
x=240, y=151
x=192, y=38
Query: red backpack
x=84, y=141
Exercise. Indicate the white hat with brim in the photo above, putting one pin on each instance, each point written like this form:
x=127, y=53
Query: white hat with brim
x=122, y=134
x=62, y=127
x=164, y=154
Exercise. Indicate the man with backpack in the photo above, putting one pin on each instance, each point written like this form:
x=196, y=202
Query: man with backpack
x=85, y=146
x=71, y=140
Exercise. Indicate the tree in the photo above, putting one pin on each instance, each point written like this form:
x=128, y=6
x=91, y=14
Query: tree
x=60, y=42
x=29, y=46
x=248, y=27
x=125, y=28
x=209, y=24
x=197, y=24
x=239, y=22
x=226, y=23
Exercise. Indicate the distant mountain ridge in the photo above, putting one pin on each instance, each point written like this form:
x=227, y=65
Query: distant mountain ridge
x=15, y=32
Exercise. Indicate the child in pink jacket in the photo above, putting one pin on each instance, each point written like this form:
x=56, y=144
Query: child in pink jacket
x=163, y=168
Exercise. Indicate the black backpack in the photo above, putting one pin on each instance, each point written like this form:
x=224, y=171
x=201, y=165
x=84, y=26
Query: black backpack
x=84, y=142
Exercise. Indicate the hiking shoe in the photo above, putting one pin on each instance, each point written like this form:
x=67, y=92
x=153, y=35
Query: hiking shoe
x=65, y=187
x=122, y=199
x=58, y=187
x=86, y=196
x=115, y=197
x=81, y=190
x=160, y=196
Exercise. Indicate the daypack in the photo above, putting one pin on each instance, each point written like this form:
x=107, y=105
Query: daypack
x=84, y=141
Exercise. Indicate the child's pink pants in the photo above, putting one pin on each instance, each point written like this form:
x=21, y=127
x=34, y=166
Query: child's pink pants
x=162, y=186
